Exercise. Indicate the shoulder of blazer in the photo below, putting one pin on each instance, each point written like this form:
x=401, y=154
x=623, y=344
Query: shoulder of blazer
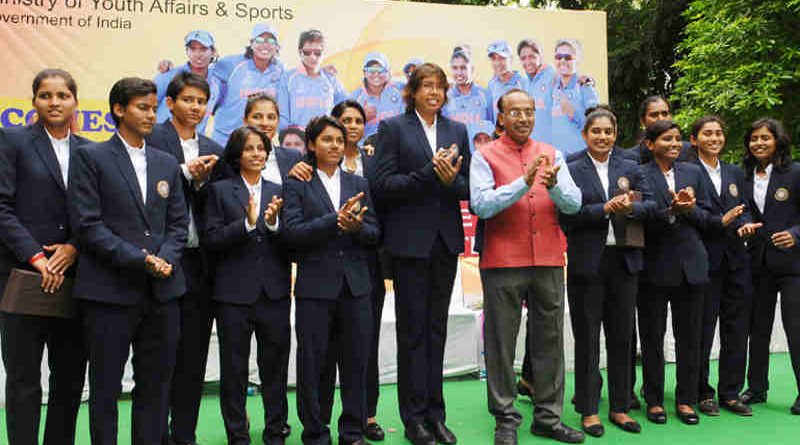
x=213, y=145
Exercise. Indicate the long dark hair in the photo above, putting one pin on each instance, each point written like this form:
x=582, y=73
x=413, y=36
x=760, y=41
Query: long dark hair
x=782, y=159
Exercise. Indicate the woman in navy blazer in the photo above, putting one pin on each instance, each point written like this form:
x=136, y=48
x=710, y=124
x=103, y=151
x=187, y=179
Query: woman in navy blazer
x=330, y=225
x=728, y=296
x=772, y=191
x=676, y=271
x=251, y=285
x=602, y=275
x=262, y=112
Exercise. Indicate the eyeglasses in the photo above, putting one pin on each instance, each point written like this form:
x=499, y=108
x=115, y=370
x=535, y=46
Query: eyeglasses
x=517, y=113
x=262, y=40
x=567, y=57
x=309, y=52
x=374, y=69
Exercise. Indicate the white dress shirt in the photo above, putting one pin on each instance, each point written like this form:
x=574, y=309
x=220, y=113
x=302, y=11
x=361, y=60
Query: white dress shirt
x=430, y=130
x=272, y=171
x=760, y=185
x=715, y=173
x=191, y=150
x=333, y=185
x=602, y=172
x=139, y=161
x=669, y=176
x=255, y=191
x=61, y=148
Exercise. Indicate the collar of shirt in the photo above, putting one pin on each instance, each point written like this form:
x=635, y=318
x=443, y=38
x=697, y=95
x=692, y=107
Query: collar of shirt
x=711, y=169
x=358, y=161
x=571, y=84
x=767, y=170
x=191, y=147
x=669, y=176
x=430, y=130
x=61, y=150
x=253, y=189
x=597, y=164
x=55, y=141
x=332, y=185
x=130, y=147
x=515, y=78
x=455, y=92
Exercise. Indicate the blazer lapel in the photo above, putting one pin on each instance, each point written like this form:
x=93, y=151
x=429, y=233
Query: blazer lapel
x=709, y=184
x=660, y=182
x=283, y=165
x=174, y=143
x=775, y=181
x=125, y=167
x=614, y=175
x=266, y=198
x=45, y=150
x=241, y=192
x=591, y=172
x=322, y=194
x=419, y=134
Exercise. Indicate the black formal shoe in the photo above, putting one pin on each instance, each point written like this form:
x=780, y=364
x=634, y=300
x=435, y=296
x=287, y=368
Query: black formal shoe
x=659, y=417
x=274, y=440
x=505, y=436
x=751, y=397
x=374, y=432
x=736, y=407
x=596, y=430
x=524, y=390
x=634, y=403
x=795, y=409
x=689, y=418
x=630, y=426
x=708, y=407
x=441, y=433
x=560, y=432
x=417, y=434
x=286, y=430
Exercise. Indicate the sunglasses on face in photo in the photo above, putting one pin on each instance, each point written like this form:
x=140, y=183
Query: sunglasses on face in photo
x=374, y=69
x=562, y=56
x=262, y=40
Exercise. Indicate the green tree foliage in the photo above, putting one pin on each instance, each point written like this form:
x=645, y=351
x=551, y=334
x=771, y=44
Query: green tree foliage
x=740, y=59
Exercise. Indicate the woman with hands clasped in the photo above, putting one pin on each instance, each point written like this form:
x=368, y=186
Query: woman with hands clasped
x=331, y=227
x=728, y=296
x=676, y=271
x=772, y=184
x=251, y=285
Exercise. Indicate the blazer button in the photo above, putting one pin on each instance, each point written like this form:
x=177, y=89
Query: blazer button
x=341, y=253
x=146, y=233
x=259, y=239
x=61, y=227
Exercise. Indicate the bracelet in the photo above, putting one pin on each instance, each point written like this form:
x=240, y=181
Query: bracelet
x=36, y=258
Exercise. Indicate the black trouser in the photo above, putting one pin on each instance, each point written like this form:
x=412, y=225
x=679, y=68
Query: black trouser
x=320, y=325
x=152, y=329
x=23, y=341
x=766, y=287
x=686, y=301
x=328, y=384
x=236, y=324
x=728, y=298
x=609, y=299
x=190, y=367
x=423, y=287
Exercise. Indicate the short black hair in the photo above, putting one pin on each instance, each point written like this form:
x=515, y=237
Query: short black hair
x=310, y=35
x=782, y=159
x=658, y=128
x=651, y=100
x=315, y=127
x=187, y=79
x=291, y=130
x=342, y=106
x=597, y=112
x=72, y=86
x=255, y=98
x=237, y=141
x=126, y=89
x=510, y=92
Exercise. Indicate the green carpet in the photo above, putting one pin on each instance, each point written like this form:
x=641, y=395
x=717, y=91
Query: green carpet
x=469, y=419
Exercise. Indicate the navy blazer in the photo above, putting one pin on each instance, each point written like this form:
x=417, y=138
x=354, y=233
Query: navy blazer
x=165, y=137
x=587, y=230
x=287, y=158
x=249, y=264
x=781, y=212
x=723, y=242
x=327, y=258
x=415, y=206
x=33, y=196
x=114, y=226
x=675, y=248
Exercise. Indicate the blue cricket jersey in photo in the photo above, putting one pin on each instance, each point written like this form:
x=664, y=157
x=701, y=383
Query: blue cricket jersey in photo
x=539, y=88
x=389, y=104
x=469, y=108
x=497, y=87
x=566, y=130
x=302, y=97
x=162, y=81
x=239, y=77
